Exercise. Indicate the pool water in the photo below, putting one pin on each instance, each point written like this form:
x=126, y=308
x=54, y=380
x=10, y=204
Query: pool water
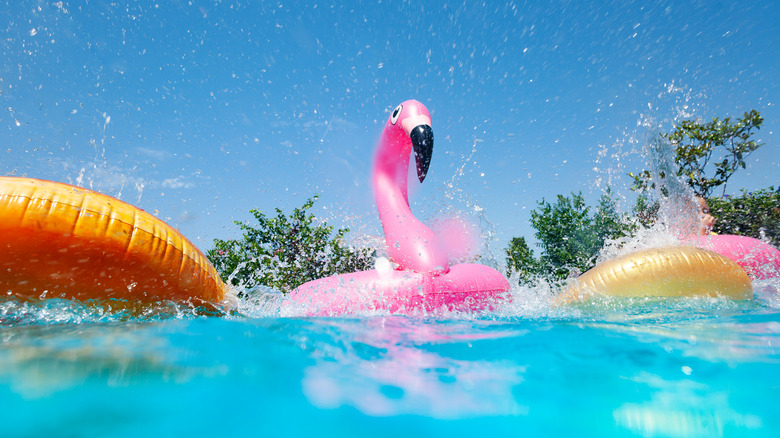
x=613, y=367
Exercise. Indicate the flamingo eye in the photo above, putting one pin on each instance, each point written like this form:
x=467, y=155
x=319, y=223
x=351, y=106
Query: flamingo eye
x=396, y=113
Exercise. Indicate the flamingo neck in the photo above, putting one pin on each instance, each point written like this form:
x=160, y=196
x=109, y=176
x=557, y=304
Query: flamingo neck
x=410, y=244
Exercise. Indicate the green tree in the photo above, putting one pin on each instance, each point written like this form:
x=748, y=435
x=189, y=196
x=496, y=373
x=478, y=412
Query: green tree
x=571, y=236
x=755, y=214
x=646, y=211
x=284, y=252
x=608, y=223
x=719, y=146
x=564, y=231
x=520, y=259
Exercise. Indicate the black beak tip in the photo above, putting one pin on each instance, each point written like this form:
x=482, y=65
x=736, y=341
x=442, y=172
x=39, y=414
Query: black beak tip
x=422, y=142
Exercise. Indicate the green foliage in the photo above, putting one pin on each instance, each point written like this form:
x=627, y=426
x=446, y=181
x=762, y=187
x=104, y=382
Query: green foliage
x=520, y=259
x=284, y=252
x=565, y=234
x=755, y=214
x=608, y=223
x=646, y=211
x=720, y=146
x=570, y=234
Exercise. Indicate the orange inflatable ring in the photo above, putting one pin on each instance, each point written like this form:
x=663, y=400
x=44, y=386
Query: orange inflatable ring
x=62, y=241
x=664, y=272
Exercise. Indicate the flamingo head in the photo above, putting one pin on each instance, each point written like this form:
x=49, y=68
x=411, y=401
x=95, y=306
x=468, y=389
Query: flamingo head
x=415, y=121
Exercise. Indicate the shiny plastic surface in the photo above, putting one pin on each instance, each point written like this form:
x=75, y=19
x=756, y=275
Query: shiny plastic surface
x=62, y=241
x=664, y=272
x=759, y=259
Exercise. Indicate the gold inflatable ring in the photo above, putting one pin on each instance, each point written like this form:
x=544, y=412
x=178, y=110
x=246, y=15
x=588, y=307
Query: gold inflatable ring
x=62, y=241
x=664, y=272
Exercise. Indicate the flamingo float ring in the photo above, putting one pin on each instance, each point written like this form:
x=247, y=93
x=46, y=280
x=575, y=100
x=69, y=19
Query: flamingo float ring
x=423, y=279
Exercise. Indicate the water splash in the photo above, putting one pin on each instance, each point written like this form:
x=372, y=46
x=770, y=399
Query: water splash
x=16, y=312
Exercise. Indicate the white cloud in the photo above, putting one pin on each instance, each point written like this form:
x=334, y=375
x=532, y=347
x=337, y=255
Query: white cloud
x=180, y=182
x=157, y=154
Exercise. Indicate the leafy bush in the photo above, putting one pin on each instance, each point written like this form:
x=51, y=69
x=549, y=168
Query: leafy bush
x=284, y=252
x=520, y=259
x=707, y=153
x=755, y=214
x=571, y=234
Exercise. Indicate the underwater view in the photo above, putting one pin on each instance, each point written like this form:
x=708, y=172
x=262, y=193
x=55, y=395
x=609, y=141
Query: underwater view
x=389, y=218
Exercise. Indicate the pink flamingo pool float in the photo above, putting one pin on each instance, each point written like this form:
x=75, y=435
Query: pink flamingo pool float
x=423, y=279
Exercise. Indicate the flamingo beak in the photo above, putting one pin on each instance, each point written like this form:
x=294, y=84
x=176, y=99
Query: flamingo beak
x=422, y=142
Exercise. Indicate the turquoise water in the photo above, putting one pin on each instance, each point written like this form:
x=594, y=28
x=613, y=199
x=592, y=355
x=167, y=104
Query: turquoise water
x=682, y=367
x=200, y=111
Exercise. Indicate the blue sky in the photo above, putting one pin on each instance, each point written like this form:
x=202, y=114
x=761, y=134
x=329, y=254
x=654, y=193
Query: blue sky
x=200, y=110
